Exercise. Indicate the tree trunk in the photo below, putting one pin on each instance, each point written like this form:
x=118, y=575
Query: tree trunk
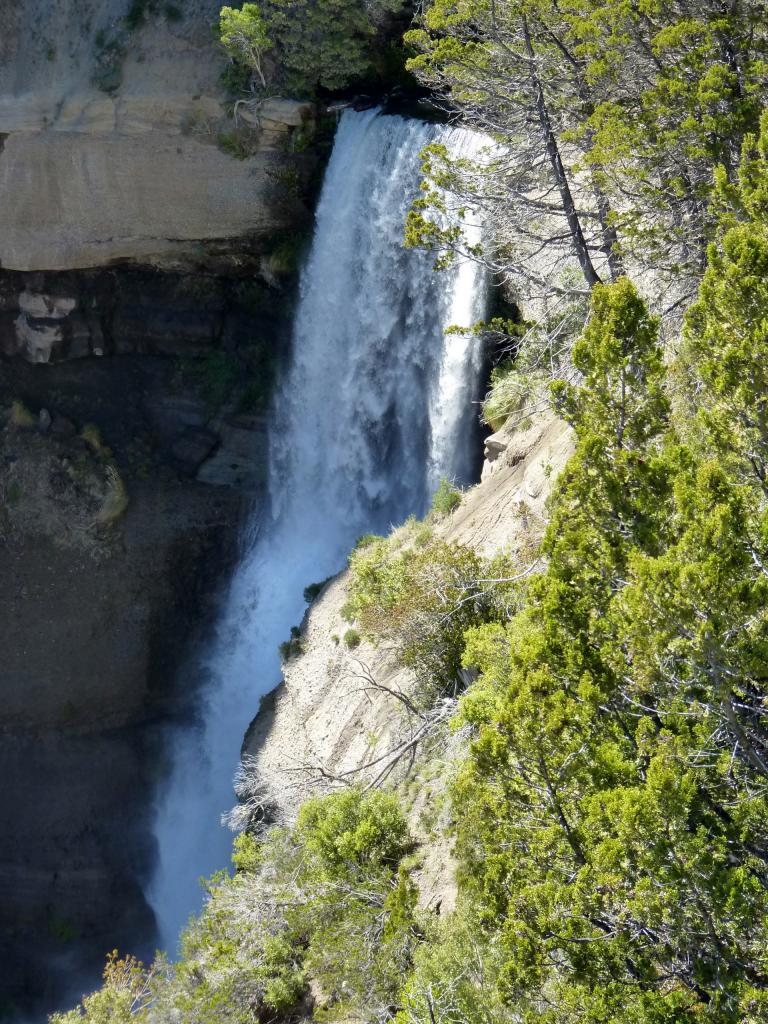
x=553, y=152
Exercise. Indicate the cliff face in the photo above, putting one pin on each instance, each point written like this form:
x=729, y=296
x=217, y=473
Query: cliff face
x=123, y=481
x=109, y=576
x=145, y=279
x=326, y=720
x=112, y=131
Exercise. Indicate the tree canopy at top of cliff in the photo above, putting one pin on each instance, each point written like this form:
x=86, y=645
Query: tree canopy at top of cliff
x=611, y=117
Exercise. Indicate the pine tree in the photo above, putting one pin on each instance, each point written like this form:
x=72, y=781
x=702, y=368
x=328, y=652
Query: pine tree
x=612, y=117
x=611, y=812
x=726, y=333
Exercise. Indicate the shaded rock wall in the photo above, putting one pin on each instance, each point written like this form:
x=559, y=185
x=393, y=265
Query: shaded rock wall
x=209, y=347
x=100, y=613
x=97, y=613
x=75, y=850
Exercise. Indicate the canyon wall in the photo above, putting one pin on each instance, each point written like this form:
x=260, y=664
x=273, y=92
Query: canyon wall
x=147, y=249
x=114, y=141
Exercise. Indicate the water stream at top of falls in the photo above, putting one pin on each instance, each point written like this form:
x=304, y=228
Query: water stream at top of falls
x=375, y=407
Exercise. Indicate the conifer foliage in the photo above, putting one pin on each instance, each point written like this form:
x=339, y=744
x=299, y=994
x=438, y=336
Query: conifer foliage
x=296, y=47
x=613, y=812
x=611, y=117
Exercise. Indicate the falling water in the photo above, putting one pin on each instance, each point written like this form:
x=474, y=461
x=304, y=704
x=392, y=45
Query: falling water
x=375, y=408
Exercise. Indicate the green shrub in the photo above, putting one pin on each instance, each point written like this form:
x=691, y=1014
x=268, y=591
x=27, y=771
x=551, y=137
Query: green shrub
x=348, y=829
x=115, y=500
x=137, y=14
x=316, y=46
x=450, y=983
x=140, y=10
x=195, y=122
x=418, y=601
x=312, y=591
x=126, y=989
x=513, y=394
x=330, y=899
x=92, y=437
x=445, y=499
x=20, y=416
x=364, y=540
x=240, y=143
x=519, y=383
x=363, y=903
x=352, y=639
x=108, y=74
x=286, y=650
x=247, y=852
x=292, y=647
x=422, y=535
x=235, y=80
x=287, y=255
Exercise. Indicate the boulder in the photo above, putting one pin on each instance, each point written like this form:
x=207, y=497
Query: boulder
x=495, y=445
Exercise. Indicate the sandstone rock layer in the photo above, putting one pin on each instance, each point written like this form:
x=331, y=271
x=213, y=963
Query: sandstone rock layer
x=112, y=141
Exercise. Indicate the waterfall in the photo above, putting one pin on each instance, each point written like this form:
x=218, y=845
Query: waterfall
x=375, y=407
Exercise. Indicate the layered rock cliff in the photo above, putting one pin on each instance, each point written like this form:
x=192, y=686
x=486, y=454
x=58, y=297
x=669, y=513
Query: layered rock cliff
x=147, y=244
x=116, y=141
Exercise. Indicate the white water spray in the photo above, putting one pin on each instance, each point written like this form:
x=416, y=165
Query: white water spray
x=375, y=407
